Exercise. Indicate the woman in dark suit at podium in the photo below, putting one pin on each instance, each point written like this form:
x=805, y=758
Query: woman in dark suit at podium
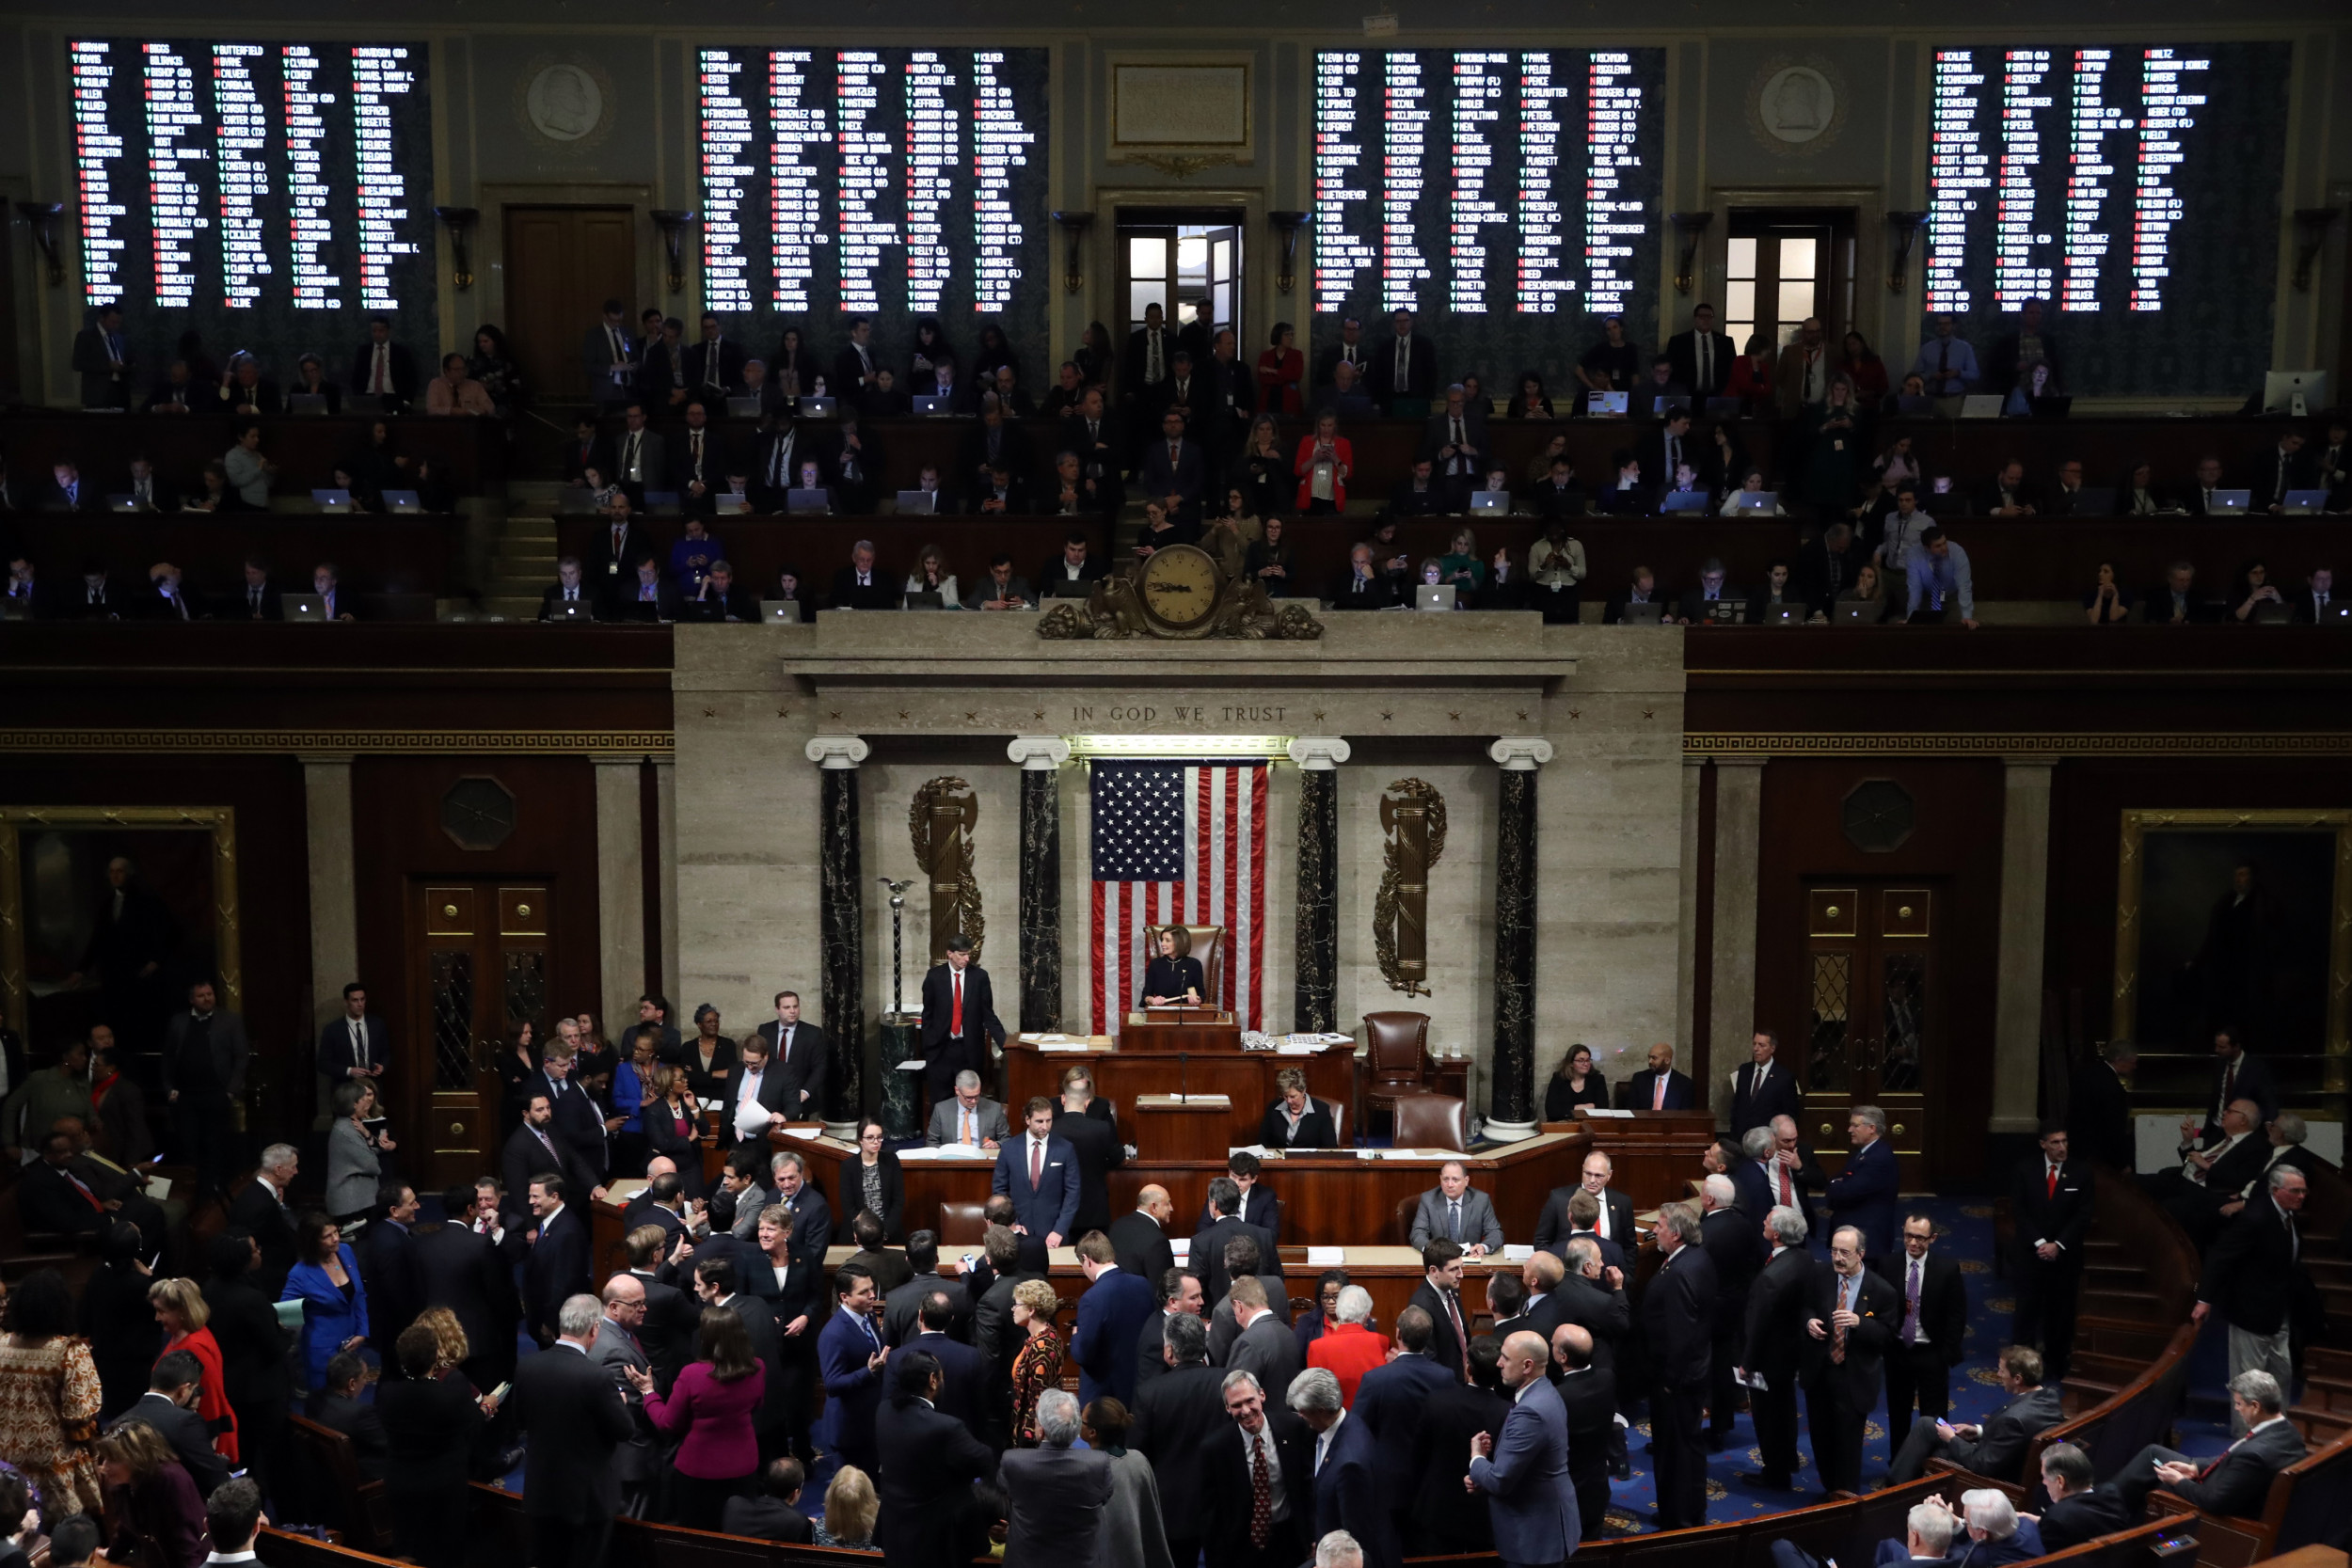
x=1574, y=1083
x=1296, y=1120
x=1175, y=976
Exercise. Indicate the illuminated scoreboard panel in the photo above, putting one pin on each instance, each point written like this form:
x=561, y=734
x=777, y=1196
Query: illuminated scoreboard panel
x=253, y=179
x=1487, y=182
x=874, y=181
x=2110, y=181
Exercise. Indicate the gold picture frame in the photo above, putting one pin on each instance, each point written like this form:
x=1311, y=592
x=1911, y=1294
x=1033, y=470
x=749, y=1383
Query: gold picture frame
x=220, y=821
x=2130, y=871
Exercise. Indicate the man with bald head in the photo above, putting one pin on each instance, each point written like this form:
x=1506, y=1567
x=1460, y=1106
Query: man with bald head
x=636, y=1463
x=1523, y=1469
x=1139, y=1237
x=1588, y=1393
x=1658, y=1086
x=1614, y=1222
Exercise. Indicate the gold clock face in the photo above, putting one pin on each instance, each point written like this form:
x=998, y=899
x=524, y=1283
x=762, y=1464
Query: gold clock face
x=1180, y=587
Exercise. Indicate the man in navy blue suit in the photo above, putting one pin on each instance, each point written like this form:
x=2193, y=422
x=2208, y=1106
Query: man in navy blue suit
x=557, y=1269
x=1110, y=1323
x=1658, y=1086
x=964, y=1372
x=1258, y=1204
x=1763, y=1088
x=1523, y=1469
x=849, y=1354
x=1393, y=1400
x=1754, y=1176
x=1864, y=1195
x=1346, y=1469
x=1040, y=1173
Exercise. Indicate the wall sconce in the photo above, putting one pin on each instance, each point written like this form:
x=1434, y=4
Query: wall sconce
x=459, y=221
x=2311, y=233
x=1902, y=233
x=1688, y=228
x=1288, y=225
x=42, y=216
x=1073, y=227
x=673, y=222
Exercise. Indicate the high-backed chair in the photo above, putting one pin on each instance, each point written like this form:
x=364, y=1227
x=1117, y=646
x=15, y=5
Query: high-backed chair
x=961, y=1225
x=1400, y=1221
x=1395, y=1061
x=1208, y=946
x=1338, y=1112
x=1432, y=1121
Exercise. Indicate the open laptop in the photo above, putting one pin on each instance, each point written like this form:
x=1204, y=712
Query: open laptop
x=312, y=405
x=2051, y=406
x=918, y=502
x=1644, y=614
x=816, y=409
x=1916, y=405
x=927, y=599
x=2303, y=503
x=1853, y=615
x=1766, y=501
x=807, y=503
x=660, y=500
x=1981, y=405
x=1068, y=588
x=932, y=404
x=1723, y=408
x=2338, y=613
x=302, y=606
x=1608, y=402
x=1490, y=500
x=2268, y=614
x=1782, y=615
x=780, y=612
x=2230, y=503
x=744, y=408
x=123, y=504
x=1725, y=612
x=327, y=500
x=731, y=505
x=1683, y=500
x=2095, y=503
x=575, y=613
x=1665, y=406
x=1433, y=595
x=400, y=500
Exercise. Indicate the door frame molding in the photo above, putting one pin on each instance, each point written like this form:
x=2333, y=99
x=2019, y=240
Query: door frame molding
x=489, y=247
x=1256, y=283
x=1872, y=305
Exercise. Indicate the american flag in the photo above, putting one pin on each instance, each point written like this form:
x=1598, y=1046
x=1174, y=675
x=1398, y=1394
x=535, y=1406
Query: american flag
x=1177, y=842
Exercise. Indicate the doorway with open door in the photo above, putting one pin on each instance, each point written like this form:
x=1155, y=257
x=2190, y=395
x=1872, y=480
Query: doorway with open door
x=1784, y=264
x=480, y=955
x=1873, y=1010
x=1187, y=262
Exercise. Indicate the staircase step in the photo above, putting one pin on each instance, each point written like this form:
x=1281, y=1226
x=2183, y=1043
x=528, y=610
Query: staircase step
x=2131, y=1306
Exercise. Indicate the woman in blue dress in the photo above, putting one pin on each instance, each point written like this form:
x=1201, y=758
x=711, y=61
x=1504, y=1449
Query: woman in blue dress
x=325, y=1279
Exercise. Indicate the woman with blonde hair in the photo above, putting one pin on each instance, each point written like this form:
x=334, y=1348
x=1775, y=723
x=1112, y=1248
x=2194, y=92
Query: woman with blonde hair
x=1038, y=1367
x=450, y=1346
x=851, y=1509
x=180, y=1307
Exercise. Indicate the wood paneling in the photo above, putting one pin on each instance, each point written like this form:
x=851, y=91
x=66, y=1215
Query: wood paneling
x=562, y=264
x=1955, y=847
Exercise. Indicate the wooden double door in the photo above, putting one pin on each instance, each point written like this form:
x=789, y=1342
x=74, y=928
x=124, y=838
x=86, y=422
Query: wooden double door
x=1873, y=1010
x=562, y=264
x=480, y=958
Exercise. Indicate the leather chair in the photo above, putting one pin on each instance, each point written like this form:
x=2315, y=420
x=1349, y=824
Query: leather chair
x=961, y=1225
x=1432, y=1121
x=1401, y=1221
x=1395, y=1062
x=1208, y=946
x=1338, y=1110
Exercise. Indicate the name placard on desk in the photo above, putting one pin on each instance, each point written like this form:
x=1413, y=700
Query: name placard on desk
x=1219, y=1102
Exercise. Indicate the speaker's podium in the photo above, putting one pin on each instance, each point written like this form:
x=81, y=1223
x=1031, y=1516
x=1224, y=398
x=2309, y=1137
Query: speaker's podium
x=1178, y=1078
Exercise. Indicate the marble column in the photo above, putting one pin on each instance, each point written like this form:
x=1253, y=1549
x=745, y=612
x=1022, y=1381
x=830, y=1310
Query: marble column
x=1687, y=955
x=1041, y=757
x=841, y=924
x=1739, y=842
x=1511, y=1105
x=334, y=903
x=1315, y=981
x=2025, y=914
x=621, y=885
x=665, y=852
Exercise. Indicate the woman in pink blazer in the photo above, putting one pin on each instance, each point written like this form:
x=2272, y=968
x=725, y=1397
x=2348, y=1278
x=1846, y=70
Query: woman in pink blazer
x=711, y=1403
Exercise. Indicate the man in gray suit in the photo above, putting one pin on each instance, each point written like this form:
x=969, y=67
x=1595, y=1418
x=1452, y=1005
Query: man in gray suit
x=1453, y=1210
x=2237, y=1482
x=1243, y=1258
x=967, y=1116
x=636, y=1463
x=1523, y=1469
x=1996, y=1449
x=608, y=357
x=1262, y=1346
x=1055, y=1494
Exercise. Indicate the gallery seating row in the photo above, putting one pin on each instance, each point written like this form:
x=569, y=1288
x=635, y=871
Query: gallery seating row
x=467, y=454
x=393, y=567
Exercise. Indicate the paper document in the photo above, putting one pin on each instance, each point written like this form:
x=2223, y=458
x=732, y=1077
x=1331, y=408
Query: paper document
x=1327, y=1257
x=1287, y=1049
x=1045, y=1039
x=1513, y=1253
x=1259, y=1151
x=751, y=1120
x=159, y=1187
x=1597, y=1111
x=1066, y=1046
x=913, y=1064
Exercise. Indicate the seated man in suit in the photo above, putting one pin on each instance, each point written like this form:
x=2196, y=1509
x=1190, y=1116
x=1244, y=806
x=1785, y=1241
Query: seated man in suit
x=1172, y=471
x=1040, y=1173
x=1660, y=1087
x=1994, y=1448
x=1712, y=599
x=2177, y=601
x=1296, y=1120
x=2006, y=493
x=2235, y=1483
x=2078, y=1511
x=968, y=1116
x=1612, y=1211
x=861, y=585
x=1075, y=566
x=1453, y=1210
x=568, y=589
x=54, y=1199
x=336, y=1405
x=647, y=598
x=1001, y=589
x=1259, y=1208
x=1366, y=587
x=773, y=1513
x=2212, y=1169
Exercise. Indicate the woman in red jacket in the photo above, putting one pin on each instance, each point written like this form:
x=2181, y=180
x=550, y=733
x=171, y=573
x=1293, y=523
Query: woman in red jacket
x=1281, y=371
x=1324, y=462
x=1751, y=375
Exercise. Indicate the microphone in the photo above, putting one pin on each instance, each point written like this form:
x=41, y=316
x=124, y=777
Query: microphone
x=1183, y=1077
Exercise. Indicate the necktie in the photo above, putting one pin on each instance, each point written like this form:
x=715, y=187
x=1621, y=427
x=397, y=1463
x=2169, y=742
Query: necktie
x=379, y=379
x=1404, y=362
x=1658, y=1093
x=1788, y=1192
x=1674, y=455
x=613, y=336
x=1911, y=1305
x=2229, y=1082
x=1261, y=1493
x=710, y=366
x=1943, y=363
x=1151, y=356
x=87, y=1194
x=697, y=439
x=541, y=1136
x=964, y=1131
x=1838, y=1331
x=1175, y=455
x=1461, y=1341
x=1037, y=1163
x=359, y=1043
x=253, y=599
x=629, y=469
x=2215, y=1462
x=1706, y=362
x=1453, y=1220
x=954, y=1013
x=2050, y=1189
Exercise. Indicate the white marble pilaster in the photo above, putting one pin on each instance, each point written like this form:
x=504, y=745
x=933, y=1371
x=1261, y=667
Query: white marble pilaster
x=2024, y=915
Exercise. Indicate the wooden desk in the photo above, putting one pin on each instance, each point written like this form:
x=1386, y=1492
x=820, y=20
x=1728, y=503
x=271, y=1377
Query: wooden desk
x=1129, y=1068
x=1655, y=1154
x=1167, y=1127
x=390, y=568
x=1189, y=1030
x=1326, y=1202
x=469, y=455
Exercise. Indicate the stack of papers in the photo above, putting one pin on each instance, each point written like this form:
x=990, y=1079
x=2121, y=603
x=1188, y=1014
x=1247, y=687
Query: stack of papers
x=1327, y=1257
x=945, y=1151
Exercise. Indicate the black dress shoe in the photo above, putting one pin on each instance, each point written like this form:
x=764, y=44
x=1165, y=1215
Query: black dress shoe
x=1759, y=1478
x=1716, y=1441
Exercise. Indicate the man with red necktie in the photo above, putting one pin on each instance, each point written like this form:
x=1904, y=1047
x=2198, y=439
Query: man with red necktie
x=2234, y=1482
x=2052, y=1201
x=959, y=1021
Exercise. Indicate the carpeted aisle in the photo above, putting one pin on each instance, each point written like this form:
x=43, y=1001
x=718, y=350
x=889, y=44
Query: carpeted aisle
x=1965, y=1230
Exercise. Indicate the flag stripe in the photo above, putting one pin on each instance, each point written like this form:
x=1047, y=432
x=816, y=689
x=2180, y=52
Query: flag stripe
x=1257, y=895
